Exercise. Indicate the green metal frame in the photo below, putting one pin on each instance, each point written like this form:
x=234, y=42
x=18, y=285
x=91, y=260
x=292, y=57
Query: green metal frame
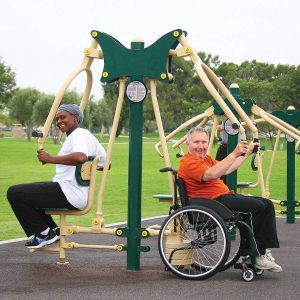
x=136, y=64
x=292, y=117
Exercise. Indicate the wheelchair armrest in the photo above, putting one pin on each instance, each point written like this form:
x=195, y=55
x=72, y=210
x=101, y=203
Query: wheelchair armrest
x=214, y=205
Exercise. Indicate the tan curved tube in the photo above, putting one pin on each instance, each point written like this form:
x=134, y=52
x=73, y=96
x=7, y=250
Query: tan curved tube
x=110, y=146
x=85, y=66
x=206, y=75
x=161, y=133
x=270, y=169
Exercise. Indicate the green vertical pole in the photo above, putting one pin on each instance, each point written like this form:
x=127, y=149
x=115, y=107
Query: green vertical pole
x=290, y=193
x=231, y=179
x=136, y=121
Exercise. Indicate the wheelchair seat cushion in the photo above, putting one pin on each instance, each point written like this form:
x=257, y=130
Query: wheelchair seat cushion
x=219, y=208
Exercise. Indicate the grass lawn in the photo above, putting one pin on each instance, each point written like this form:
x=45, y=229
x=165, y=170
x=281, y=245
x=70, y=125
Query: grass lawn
x=19, y=165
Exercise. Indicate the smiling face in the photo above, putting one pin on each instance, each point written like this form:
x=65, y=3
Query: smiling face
x=66, y=122
x=197, y=144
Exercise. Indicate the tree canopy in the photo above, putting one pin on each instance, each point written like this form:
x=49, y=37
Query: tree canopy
x=7, y=83
x=272, y=87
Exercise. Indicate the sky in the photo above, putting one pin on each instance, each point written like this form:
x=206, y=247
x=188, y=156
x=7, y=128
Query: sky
x=43, y=40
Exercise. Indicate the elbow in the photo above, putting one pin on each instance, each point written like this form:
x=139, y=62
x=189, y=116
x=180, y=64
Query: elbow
x=81, y=158
x=210, y=176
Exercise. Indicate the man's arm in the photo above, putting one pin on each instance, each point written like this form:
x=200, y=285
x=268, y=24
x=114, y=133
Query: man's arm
x=239, y=160
x=229, y=163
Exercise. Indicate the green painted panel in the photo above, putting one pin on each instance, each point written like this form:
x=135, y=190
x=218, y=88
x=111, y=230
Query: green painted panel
x=292, y=117
x=153, y=61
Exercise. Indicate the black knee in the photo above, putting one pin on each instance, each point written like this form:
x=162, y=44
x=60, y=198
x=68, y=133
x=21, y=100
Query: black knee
x=11, y=193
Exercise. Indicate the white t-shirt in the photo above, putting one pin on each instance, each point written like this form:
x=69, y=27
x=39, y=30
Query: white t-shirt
x=80, y=140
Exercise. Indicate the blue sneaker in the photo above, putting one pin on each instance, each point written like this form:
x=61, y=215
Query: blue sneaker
x=40, y=240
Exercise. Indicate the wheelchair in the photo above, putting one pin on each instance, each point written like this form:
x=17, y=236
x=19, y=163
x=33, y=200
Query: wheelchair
x=201, y=237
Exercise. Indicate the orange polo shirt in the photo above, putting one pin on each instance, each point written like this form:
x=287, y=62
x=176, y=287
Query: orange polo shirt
x=191, y=170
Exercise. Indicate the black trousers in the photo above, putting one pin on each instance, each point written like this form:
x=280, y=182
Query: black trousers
x=262, y=218
x=27, y=201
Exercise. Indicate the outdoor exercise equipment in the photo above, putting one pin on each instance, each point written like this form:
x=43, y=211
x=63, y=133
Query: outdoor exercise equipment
x=247, y=113
x=122, y=64
x=130, y=67
x=292, y=117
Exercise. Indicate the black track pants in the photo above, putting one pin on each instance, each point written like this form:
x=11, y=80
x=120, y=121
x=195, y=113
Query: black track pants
x=262, y=218
x=27, y=199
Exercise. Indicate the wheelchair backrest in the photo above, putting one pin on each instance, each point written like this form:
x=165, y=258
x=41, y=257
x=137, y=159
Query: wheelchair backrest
x=182, y=191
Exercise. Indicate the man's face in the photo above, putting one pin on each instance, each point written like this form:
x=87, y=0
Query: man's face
x=198, y=144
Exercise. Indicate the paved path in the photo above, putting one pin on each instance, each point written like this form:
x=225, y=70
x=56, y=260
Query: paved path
x=101, y=274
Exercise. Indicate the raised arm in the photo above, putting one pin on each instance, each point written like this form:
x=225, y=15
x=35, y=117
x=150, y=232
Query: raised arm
x=230, y=163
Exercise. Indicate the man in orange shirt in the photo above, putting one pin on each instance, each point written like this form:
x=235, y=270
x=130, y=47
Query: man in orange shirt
x=202, y=173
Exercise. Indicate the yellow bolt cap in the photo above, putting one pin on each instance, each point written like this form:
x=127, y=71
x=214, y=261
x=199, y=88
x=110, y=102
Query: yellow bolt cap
x=163, y=75
x=105, y=74
x=94, y=34
x=176, y=33
x=119, y=232
x=119, y=248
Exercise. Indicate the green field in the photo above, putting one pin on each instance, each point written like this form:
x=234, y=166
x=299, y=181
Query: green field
x=19, y=165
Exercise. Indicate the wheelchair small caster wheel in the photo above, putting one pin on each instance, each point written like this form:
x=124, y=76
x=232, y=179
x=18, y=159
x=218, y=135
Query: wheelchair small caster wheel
x=248, y=275
x=259, y=272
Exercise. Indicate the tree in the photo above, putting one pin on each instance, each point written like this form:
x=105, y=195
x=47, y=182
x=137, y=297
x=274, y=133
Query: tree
x=7, y=83
x=101, y=116
x=21, y=107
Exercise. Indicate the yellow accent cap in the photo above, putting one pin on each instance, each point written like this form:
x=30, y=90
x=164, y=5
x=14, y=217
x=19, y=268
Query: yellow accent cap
x=94, y=34
x=70, y=246
x=187, y=50
x=163, y=75
x=176, y=33
x=105, y=74
x=96, y=222
x=144, y=233
x=119, y=247
x=87, y=51
x=119, y=232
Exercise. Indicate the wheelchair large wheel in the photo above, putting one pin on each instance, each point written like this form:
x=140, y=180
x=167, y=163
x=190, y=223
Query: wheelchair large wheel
x=194, y=243
x=235, y=245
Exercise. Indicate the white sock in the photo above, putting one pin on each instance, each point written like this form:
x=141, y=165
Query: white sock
x=45, y=232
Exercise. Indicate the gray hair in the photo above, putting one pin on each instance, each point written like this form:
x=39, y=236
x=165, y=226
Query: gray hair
x=196, y=129
x=73, y=109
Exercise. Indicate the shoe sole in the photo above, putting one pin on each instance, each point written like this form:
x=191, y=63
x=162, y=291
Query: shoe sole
x=43, y=244
x=274, y=270
x=262, y=268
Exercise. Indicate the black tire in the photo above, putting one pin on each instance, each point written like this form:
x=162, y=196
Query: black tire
x=194, y=243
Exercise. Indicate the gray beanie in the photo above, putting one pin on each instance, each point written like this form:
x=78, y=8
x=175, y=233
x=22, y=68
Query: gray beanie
x=74, y=110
